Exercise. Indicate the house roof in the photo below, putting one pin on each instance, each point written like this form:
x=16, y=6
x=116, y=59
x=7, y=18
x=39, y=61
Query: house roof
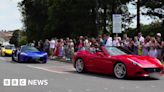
x=5, y=36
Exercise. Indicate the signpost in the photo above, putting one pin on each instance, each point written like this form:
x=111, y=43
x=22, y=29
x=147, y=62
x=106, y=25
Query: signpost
x=117, y=23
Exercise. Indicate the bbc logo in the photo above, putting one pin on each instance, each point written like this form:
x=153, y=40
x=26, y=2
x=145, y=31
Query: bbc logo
x=14, y=82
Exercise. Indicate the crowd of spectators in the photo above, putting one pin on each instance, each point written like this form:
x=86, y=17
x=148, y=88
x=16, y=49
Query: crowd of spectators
x=139, y=45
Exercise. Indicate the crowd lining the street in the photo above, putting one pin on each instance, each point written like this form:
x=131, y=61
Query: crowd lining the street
x=139, y=45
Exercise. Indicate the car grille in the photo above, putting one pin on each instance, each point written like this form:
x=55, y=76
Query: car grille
x=150, y=70
x=42, y=59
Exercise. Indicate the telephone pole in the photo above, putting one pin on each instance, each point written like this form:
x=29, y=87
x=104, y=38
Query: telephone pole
x=138, y=16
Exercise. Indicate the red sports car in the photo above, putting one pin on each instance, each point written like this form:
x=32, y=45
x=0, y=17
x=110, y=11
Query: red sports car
x=117, y=61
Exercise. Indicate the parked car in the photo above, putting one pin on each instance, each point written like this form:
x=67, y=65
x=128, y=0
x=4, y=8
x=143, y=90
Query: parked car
x=117, y=61
x=29, y=54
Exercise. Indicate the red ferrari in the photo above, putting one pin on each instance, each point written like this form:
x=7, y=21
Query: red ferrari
x=117, y=61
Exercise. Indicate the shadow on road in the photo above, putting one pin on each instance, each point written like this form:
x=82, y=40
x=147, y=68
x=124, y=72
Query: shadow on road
x=112, y=76
x=13, y=62
x=98, y=75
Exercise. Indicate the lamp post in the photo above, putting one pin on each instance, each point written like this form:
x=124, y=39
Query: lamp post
x=138, y=16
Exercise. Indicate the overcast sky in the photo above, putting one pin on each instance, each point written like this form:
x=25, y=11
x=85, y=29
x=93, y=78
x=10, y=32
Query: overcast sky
x=10, y=17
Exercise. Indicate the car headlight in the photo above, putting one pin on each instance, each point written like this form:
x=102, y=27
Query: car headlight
x=134, y=62
x=3, y=50
x=45, y=54
x=24, y=54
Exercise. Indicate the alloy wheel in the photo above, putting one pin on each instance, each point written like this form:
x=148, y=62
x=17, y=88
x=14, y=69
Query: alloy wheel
x=120, y=70
x=79, y=65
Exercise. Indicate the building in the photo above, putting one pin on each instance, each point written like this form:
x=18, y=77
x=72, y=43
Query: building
x=5, y=37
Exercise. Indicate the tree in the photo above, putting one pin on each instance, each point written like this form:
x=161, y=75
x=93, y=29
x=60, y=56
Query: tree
x=154, y=7
x=150, y=29
x=108, y=7
x=18, y=38
x=34, y=17
x=15, y=38
x=67, y=18
x=22, y=38
x=71, y=18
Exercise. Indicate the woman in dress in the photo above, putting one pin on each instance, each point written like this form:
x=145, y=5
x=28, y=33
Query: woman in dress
x=135, y=45
x=146, y=46
x=153, y=48
x=57, y=48
x=61, y=48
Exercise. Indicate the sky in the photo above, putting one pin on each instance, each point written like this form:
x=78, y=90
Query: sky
x=10, y=16
x=143, y=19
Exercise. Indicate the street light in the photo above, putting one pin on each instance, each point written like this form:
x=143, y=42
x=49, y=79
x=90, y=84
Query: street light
x=138, y=16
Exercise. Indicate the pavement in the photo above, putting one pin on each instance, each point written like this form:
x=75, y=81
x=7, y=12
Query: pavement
x=61, y=77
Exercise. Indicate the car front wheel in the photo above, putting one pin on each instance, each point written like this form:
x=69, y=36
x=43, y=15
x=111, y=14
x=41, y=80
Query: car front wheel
x=43, y=62
x=79, y=65
x=120, y=70
x=18, y=59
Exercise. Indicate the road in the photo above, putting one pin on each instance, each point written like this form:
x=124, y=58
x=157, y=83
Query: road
x=62, y=77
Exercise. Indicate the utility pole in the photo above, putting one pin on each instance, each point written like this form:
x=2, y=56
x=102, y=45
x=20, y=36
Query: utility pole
x=138, y=16
x=97, y=16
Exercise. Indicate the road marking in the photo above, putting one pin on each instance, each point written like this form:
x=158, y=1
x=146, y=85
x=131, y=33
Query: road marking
x=105, y=88
x=70, y=67
x=45, y=69
x=69, y=90
x=80, y=78
x=87, y=89
x=122, y=87
x=137, y=86
x=153, y=86
x=66, y=79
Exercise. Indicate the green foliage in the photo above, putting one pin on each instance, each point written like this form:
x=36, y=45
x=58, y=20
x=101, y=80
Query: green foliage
x=22, y=38
x=146, y=30
x=154, y=7
x=34, y=17
x=68, y=18
x=71, y=18
x=15, y=38
x=19, y=38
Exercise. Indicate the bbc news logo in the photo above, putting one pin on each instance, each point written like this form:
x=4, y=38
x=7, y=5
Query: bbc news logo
x=24, y=82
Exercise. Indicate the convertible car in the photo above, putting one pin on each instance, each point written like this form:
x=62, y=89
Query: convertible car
x=117, y=61
x=7, y=50
x=29, y=54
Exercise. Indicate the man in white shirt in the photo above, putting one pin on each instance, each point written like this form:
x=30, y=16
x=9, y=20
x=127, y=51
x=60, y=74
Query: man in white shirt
x=116, y=41
x=141, y=38
x=52, y=47
x=109, y=41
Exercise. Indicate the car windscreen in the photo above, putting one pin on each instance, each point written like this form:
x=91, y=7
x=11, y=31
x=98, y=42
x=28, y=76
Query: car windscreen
x=113, y=51
x=9, y=47
x=29, y=48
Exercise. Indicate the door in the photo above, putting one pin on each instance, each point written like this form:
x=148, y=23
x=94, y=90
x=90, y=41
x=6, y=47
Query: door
x=102, y=63
x=90, y=62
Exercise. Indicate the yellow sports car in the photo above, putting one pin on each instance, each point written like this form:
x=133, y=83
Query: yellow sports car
x=7, y=50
